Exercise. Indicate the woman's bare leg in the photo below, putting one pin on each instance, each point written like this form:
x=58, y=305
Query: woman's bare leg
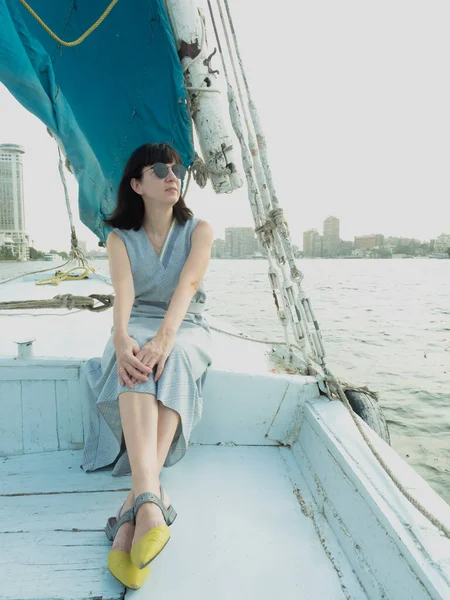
x=149, y=428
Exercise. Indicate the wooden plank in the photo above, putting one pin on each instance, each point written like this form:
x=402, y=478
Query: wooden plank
x=85, y=511
x=398, y=553
x=241, y=534
x=239, y=408
x=54, y=472
x=84, y=403
x=30, y=372
x=11, y=433
x=39, y=416
x=41, y=362
x=69, y=416
x=54, y=565
x=244, y=513
x=287, y=421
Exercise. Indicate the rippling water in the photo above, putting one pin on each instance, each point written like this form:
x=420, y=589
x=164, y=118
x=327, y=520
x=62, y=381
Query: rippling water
x=385, y=324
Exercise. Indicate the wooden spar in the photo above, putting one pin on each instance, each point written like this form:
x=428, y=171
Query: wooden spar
x=208, y=104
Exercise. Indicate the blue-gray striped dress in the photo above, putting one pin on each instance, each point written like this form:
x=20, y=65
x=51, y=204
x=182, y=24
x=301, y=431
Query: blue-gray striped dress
x=180, y=385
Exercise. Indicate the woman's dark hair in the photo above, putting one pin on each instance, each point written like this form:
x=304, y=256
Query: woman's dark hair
x=130, y=209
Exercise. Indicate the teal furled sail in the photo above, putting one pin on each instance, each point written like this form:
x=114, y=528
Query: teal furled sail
x=121, y=87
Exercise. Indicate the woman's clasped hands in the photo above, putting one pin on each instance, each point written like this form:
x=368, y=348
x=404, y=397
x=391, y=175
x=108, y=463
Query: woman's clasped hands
x=134, y=364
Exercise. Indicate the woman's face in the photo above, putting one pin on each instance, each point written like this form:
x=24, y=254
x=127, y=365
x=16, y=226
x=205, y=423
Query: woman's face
x=154, y=184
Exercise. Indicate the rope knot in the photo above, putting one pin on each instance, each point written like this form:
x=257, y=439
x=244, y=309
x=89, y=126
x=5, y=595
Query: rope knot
x=199, y=171
x=202, y=172
x=66, y=301
x=277, y=214
x=264, y=231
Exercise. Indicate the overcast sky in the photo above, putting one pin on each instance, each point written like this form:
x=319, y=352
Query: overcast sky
x=355, y=101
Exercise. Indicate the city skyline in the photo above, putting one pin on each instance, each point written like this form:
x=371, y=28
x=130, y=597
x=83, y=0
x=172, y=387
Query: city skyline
x=330, y=244
x=374, y=233
x=370, y=148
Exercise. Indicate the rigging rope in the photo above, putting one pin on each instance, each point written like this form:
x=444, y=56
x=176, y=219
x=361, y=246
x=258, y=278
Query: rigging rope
x=68, y=301
x=81, y=39
x=301, y=313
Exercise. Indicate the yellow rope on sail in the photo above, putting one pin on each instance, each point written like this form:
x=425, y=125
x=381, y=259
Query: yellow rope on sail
x=82, y=37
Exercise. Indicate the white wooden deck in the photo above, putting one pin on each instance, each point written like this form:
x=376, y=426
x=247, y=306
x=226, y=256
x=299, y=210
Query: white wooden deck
x=240, y=531
x=251, y=524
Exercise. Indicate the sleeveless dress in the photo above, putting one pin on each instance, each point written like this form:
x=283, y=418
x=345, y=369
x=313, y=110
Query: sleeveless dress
x=180, y=385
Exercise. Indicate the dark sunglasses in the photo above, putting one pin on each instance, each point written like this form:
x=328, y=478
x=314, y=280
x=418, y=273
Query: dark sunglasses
x=161, y=170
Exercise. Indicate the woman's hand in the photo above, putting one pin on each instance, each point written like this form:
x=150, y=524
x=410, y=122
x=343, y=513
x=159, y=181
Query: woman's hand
x=130, y=369
x=156, y=352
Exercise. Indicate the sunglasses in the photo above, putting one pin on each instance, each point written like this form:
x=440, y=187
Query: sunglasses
x=161, y=170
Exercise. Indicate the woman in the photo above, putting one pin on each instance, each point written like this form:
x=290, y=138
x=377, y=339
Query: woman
x=146, y=390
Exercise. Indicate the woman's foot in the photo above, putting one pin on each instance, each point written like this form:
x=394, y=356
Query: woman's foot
x=149, y=515
x=124, y=537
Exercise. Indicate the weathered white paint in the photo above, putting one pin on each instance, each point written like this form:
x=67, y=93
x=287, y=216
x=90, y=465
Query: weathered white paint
x=252, y=410
x=353, y=509
x=56, y=565
x=42, y=370
x=24, y=349
x=11, y=428
x=40, y=429
x=240, y=531
x=70, y=417
x=211, y=116
x=395, y=551
x=44, y=408
x=49, y=413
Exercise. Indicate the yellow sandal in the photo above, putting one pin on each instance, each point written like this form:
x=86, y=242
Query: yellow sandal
x=154, y=541
x=119, y=561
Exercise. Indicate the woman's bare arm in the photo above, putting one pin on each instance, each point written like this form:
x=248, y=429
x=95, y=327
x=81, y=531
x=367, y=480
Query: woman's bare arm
x=122, y=281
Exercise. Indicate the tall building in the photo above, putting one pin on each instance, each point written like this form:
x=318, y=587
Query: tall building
x=240, y=242
x=331, y=239
x=312, y=243
x=12, y=212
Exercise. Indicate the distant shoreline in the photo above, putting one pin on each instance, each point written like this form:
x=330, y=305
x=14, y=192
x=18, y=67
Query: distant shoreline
x=7, y=261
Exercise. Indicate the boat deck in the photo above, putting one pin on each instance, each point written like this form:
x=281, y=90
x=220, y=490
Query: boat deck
x=242, y=531
x=79, y=335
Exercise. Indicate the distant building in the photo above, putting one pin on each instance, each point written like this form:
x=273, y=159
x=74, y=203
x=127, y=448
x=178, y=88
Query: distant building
x=240, y=242
x=6, y=240
x=367, y=242
x=346, y=248
x=12, y=212
x=312, y=243
x=393, y=242
x=318, y=246
x=331, y=239
x=442, y=242
x=218, y=249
